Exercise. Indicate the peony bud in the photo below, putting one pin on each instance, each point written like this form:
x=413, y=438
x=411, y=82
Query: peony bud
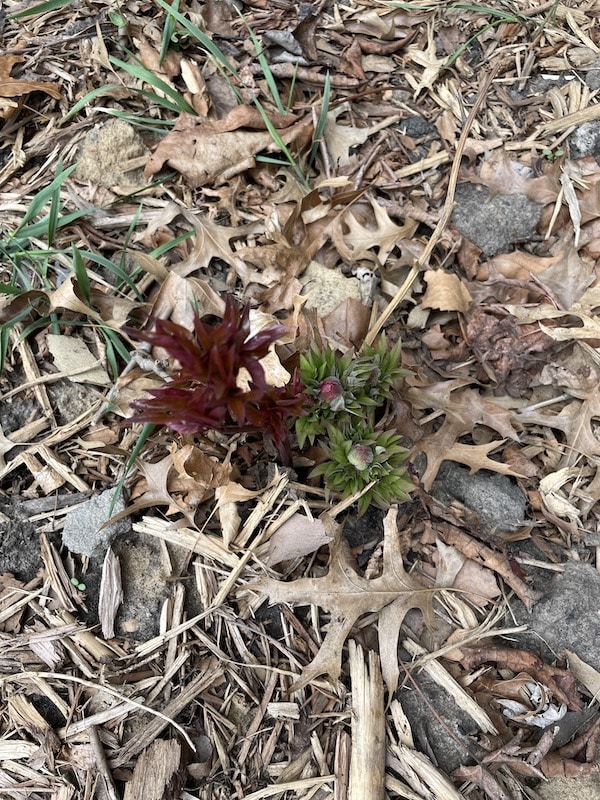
x=331, y=391
x=360, y=456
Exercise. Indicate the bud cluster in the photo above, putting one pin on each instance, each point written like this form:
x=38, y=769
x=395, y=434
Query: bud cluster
x=347, y=395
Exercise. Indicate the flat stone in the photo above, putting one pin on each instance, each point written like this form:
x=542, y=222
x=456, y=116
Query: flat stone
x=325, y=289
x=495, y=498
x=83, y=532
x=494, y=224
x=567, y=617
x=106, y=153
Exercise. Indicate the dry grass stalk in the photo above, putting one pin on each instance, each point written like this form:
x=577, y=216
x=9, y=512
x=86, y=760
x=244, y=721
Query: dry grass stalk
x=414, y=767
x=443, y=678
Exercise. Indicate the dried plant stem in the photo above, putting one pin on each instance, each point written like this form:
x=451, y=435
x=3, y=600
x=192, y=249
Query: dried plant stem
x=367, y=766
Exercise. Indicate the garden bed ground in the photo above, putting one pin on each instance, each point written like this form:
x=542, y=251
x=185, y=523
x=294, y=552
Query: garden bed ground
x=430, y=170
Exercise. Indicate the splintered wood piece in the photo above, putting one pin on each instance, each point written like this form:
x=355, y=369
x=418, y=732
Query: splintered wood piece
x=111, y=593
x=159, y=773
x=367, y=765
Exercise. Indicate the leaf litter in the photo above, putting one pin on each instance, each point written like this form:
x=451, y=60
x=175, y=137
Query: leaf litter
x=243, y=683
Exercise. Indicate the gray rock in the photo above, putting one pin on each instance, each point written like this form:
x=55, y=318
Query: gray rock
x=496, y=499
x=585, y=141
x=592, y=78
x=440, y=728
x=496, y=223
x=567, y=617
x=587, y=788
x=417, y=126
x=83, y=532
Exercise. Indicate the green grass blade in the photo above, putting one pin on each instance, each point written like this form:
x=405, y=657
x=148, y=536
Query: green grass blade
x=321, y=121
x=116, y=269
x=164, y=248
x=274, y=134
x=167, y=33
x=52, y=216
x=141, y=73
x=36, y=230
x=142, y=439
x=87, y=98
x=83, y=279
x=290, y=102
x=42, y=8
x=266, y=69
x=43, y=197
x=147, y=123
x=205, y=42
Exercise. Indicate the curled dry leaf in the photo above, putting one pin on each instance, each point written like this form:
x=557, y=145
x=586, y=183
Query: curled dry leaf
x=196, y=475
x=503, y=175
x=517, y=265
x=13, y=87
x=476, y=583
x=445, y=292
x=187, y=471
x=340, y=139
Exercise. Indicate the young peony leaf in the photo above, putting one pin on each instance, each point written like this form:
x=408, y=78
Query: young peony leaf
x=204, y=393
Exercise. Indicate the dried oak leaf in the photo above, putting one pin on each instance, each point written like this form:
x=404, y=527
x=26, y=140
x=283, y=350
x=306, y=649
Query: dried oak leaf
x=346, y=595
x=463, y=411
x=379, y=233
x=204, y=151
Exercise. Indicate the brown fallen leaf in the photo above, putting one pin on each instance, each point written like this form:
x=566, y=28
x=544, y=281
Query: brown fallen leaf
x=478, y=552
x=504, y=175
x=13, y=87
x=517, y=265
x=559, y=681
x=380, y=236
x=188, y=471
x=298, y=536
x=463, y=409
x=445, y=292
x=346, y=595
x=483, y=778
x=205, y=151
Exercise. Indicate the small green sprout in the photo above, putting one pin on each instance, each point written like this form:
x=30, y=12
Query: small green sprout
x=362, y=456
x=78, y=584
x=552, y=155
